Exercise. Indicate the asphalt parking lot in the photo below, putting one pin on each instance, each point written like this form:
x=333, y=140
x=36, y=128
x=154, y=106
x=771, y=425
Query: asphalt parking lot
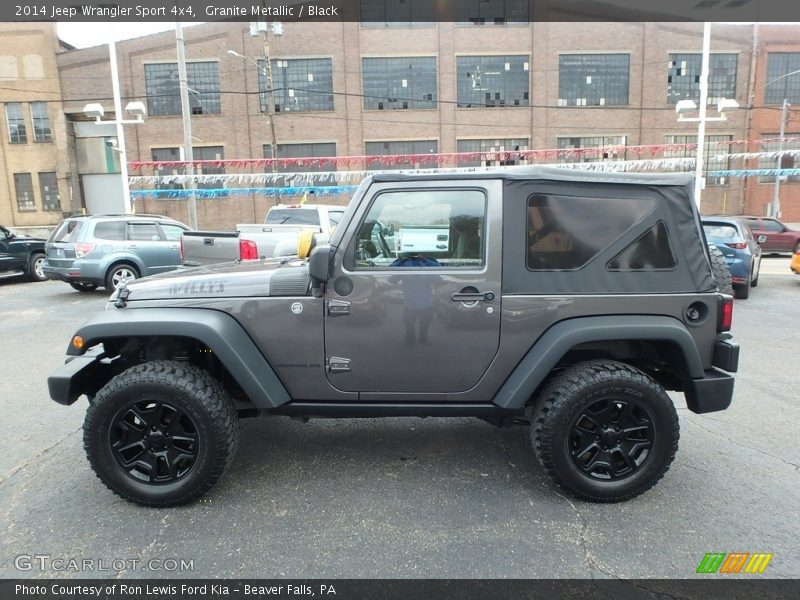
x=403, y=497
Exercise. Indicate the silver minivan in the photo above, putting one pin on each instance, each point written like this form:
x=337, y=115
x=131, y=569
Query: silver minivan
x=106, y=250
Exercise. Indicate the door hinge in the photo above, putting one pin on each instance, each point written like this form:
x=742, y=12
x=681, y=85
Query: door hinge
x=336, y=364
x=338, y=307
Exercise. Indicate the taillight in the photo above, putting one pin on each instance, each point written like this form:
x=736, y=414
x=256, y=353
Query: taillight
x=737, y=245
x=725, y=313
x=248, y=250
x=82, y=249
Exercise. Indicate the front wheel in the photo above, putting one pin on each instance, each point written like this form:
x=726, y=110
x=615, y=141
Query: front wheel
x=161, y=433
x=604, y=431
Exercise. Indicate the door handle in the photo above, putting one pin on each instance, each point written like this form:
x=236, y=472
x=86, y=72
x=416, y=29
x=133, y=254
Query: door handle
x=472, y=296
x=338, y=307
x=133, y=246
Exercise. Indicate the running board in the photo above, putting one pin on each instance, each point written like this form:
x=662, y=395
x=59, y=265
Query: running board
x=11, y=274
x=398, y=409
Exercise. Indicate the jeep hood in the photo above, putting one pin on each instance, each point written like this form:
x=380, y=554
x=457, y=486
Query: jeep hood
x=225, y=280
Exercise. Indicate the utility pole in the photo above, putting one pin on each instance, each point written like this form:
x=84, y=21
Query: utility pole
x=186, y=112
x=701, y=126
x=776, y=192
x=270, y=101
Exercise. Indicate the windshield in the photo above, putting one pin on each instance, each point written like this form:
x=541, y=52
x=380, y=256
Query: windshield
x=293, y=216
x=67, y=232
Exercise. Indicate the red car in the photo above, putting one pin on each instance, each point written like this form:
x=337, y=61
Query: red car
x=780, y=238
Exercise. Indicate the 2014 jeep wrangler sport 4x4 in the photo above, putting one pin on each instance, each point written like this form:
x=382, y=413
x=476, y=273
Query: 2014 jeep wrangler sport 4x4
x=563, y=299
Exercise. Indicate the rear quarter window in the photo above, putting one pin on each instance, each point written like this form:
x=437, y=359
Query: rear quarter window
x=293, y=216
x=68, y=231
x=720, y=231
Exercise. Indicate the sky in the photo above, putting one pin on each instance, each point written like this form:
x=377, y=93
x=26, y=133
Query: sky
x=83, y=35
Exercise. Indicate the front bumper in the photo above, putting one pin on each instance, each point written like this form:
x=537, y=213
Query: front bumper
x=79, y=375
x=714, y=391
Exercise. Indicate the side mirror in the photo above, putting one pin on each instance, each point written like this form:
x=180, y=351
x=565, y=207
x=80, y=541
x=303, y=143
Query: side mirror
x=319, y=266
x=762, y=239
x=388, y=231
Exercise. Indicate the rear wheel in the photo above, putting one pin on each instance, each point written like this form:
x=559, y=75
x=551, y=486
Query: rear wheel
x=758, y=272
x=742, y=292
x=721, y=271
x=83, y=286
x=119, y=274
x=161, y=433
x=36, y=267
x=604, y=431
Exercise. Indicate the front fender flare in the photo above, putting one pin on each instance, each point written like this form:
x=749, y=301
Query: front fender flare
x=565, y=335
x=216, y=329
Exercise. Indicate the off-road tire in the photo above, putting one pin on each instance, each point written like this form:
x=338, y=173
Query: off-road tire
x=193, y=390
x=571, y=392
x=721, y=271
x=83, y=286
x=35, y=267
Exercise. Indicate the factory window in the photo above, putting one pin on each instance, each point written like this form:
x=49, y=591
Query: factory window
x=198, y=153
x=399, y=83
x=163, y=88
x=397, y=13
x=683, y=77
x=715, y=158
x=787, y=161
x=309, y=150
x=492, y=151
x=301, y=85
x=783, y=71
x=402, y=148
x=592, y=148
x=48, y=189
x=593, y=79
x=16, y=123
x=491, y=81
x=491, y=12
x=40, y=118
x=23, y=184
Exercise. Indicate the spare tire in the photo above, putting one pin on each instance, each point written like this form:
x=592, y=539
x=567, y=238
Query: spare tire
x=722, y=274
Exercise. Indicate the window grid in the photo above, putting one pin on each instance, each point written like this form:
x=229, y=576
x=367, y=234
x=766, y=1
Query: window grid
x=163, y=88
x=397, y=13
x=683, y=77
x=399, y=147
x=305, y=150
x=23, y=185
x=491, y=12
x=40, y=119
x=493, y=145
x=608, y=148
x=786, y=162
x=778, y=65
x=300, y=85
x=492, y=81
x=714, y=145
x=16, y=123
x=48, y=190
x=593, y=79
x=394, y=83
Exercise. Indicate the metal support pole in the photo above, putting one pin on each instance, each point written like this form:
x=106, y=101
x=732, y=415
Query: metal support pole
x=123, y=155
x=776, y=192
x=701, y=125
x=186, y=112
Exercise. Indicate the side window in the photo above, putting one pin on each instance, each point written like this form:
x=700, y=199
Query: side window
x=172, y=232
x=143, y=232
x=771, y=225
x=110, y=230
x=649, y=252
x=334, y=216
x=566, y=232
x=423, y=228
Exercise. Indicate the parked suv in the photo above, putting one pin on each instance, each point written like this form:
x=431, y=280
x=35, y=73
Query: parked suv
x=109, y=250
x=568, y=301
x=740, y=248
x=780, y=238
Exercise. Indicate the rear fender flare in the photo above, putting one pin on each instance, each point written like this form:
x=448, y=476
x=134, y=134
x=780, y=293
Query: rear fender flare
x=548, y=350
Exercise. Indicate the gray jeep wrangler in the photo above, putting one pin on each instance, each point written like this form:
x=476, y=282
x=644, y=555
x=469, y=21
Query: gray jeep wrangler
x=566, y=300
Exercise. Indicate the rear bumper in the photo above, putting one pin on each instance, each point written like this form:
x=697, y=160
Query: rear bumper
x=70, y=274
x=714, y=391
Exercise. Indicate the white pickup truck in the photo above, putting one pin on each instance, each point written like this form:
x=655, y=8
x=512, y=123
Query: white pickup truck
x=277, y=236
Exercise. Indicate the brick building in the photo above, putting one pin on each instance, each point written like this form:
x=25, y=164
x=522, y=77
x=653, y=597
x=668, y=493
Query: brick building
x=361, y=89
x=36, y=185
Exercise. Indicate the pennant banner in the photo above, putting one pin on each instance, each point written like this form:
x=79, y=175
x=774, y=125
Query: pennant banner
x=224, y=192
